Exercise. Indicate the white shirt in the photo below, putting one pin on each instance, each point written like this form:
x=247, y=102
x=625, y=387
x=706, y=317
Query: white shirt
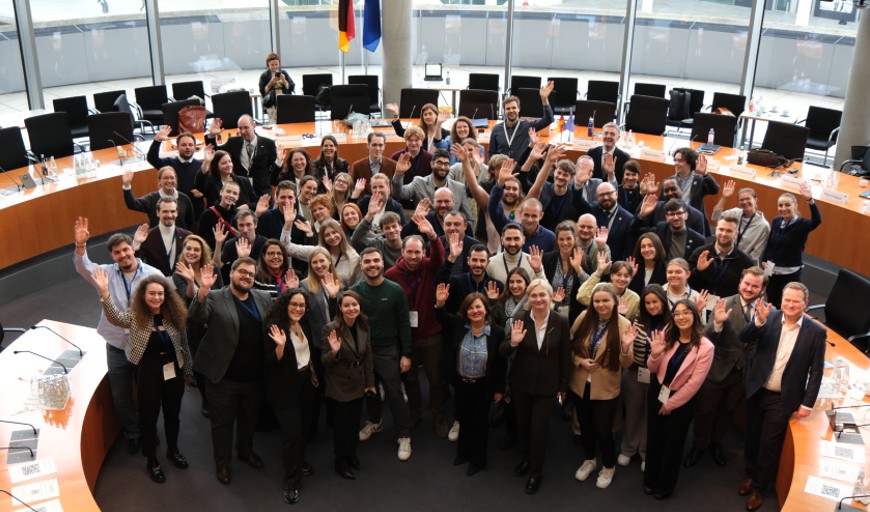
x=540, y=329
x=300, y=346
x=783, y=352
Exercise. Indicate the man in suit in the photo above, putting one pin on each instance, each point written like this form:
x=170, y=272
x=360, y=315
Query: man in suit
x=583, y=180
x=380, y=189
x=629, y=193
x=608, y=158
x=694, y=181
x=270, y=221
x=253, y=157
x=247, y=243
x=375, y=162
x=722, y=397
x=230, y=355
x=783, y=378
x=616, y=219
x=160, y=246
x=671, y=190
x=185, y=165
x=678, y=240
x=427, y=187
x=166, y=183
x=718, y=267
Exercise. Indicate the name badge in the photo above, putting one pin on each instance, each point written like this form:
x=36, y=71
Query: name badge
x=643, y=375
x=415, y=318
x=768, y=268
x=168, y=371
x=664, y=394
x=711, y=302
x=652, y=154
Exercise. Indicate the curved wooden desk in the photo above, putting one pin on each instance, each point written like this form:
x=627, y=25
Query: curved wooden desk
x=40, y=220
x=76, y=438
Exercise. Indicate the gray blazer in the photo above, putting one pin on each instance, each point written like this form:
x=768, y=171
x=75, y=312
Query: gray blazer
x=730, y=351
x=221, y=336
x=350, y=371
x=424, y=186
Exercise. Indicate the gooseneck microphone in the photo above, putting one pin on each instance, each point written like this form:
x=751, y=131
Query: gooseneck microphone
x=20, y=423
x=124, y=139
x=11, y=448
x=42, y=356
x=16, y=498
x=49, y=329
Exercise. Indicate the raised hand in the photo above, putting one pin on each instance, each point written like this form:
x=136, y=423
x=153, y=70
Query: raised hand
x=576, y=260
x=101, y=279
x=359, y=187
x=403, y=164
x=701, y=165
x=185, y=271
x=163, y=133
x=423, y=207
x=609, y=164
x=538, y=149
x=601, y=237
x=127, y=178
x=720, y=314
x=262, y=205
x=559, y=295
x=628, y=337
x=701, y=300
x=207, y=277
x=535, y=255
x=424, y=227
x=282, y=152
x=458, y=150
x=334, y=342
x=546, y=89
x=216, y=126
x=141, y=234
x=704, y=261
x=762, y=309
x=329, y=284
x=304, y=226
x=633, y=264
x=657, y=343
x=243, y=247
x=728, y=189
x=806, y=192
x=277, y=335
x=327, y=183
x=492, y=292
x=393, y=108
x=289, y=214
x=207, y=157
x=376, y=204
x=220, y=234
x=442, y=293
x=533, y=136
x=622, y=306
x=603, y=263
x=555, y=154
x=291, y=280
x=517, y=332
x=443, y=116
x=80, y=231
x=648, y=205
x=506, y=172
x=455, y=243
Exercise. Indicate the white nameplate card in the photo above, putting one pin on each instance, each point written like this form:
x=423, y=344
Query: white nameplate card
x=790, y=181
x=827, y=489
x=850, y=452
x=36, y=492
x=712, y=164
x=585, y=144
x=838, y=470
x=652, y=154
x=741, y=171
x=834, y=196
x=31, y=470
x=48, y=506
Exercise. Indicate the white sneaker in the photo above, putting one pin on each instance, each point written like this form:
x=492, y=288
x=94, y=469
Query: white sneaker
x=623, y=460
x=642, y=466
x=404, y=448
x=585, y=470
x=370, y=428
x=453, y=435
x=605, y=476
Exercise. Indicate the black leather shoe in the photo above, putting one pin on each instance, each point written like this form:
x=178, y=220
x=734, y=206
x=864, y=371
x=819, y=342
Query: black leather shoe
x=693, y=457
x=223, y=475
x=533, y=485
x=345, y=472
x=133, y=446
x=472, y=470
x=661, y=495
x=354, y=462
x=648, y=490
x=306, y=468
x=718, y=454
x=155, y=472
x=177, y=459
x=252, y=460
x=205, y=413
x=291, y=495
x=460, y=460
x=522, y=468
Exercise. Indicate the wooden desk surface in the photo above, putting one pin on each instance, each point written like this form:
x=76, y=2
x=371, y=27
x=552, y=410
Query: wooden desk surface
x=40, y=220
x=76, y=438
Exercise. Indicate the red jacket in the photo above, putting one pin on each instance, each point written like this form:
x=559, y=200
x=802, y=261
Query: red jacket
x=419, y=288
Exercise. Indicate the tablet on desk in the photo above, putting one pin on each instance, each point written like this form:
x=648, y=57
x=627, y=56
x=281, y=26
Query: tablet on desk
x=709, y=149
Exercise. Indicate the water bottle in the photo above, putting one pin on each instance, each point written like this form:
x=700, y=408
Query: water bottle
x=590, y=128
x=711, y=136
x=52, y=167
x=741, y=155
x=447, y=80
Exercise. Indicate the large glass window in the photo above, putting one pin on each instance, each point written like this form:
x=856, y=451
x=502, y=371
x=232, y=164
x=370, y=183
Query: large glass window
x=13, y=99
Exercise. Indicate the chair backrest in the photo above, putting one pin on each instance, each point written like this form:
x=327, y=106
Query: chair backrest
x=184, y=90
x=50, y=135
x=564, y=93
x=479, y=104
x=483, y=81
x=152, y=97
x=530, y=102
x=411, y=101
x=76, y=108
x=736, y=103
x=170, y=113
x=822, y=121
x=524, y=82
x=602, y=112
x=295, y=108
x=311, y=83
x=230, y=106
x=647, y=114
x=105, y=101
x=787, y=139
x=647, y=89
x=104, y=130
x=848, y=303
x=725, y=127
x=684, y=103
x=349, y=98
x=122, y=105
x=12, y=152
x=372, y=82
x=603, y=90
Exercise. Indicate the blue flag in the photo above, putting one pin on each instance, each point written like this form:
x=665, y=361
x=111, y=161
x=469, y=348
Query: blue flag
x=569, y=124
x=372, y=25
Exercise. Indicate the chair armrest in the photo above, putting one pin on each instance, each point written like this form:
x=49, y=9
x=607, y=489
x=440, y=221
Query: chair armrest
x=849, y=162
x=14, y=329
x=853, y=339
x=802, y=121
x=80, y=146
x=833, y=135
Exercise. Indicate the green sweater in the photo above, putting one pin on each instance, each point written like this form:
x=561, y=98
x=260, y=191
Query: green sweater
x=387, y=309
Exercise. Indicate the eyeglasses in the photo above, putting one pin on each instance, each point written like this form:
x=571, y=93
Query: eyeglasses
x=296, y=305
x=680, y=314
x=605, y=194
x=675, y=214
x=441, y=163
x=274, y=254
x=243, y=272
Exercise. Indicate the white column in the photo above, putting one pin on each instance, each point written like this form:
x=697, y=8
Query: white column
x=855, y=127
x=396, y=32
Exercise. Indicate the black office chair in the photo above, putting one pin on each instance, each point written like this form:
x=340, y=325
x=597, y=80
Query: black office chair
x=296, y=108
x=170, y=112
x=847, y=306
x=530, y=102
x=786, y=139
x=564, y=95
x=311, y=85
x=859, y=164
x=603, y=90
x=411, y=101
x=149, y=101
x=76, y=108
x=647, y=89
x=647, y=114
x=484, y=81
x=725, y=128
x=50, y=135
x=230, y=106
x=602, y=112
x=824, y=125
x=109, y=130
x=4, y=330
x=348, y=99
x=136, y=122
x=105, y=101
x=735, y=103
x=478, y=104
x=374, y=90
x=13, y=154
x=683, y=105
x=524, y=82
x=184, y=90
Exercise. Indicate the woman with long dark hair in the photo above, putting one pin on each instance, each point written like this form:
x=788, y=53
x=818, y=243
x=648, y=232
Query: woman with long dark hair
x=329, y=164
x=217, y=170
x=680, y=357
x=274, y=274
x=563, y=268
x=650, y=253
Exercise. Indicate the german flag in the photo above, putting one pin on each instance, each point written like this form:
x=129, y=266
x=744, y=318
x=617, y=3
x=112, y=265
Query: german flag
x=346, y=30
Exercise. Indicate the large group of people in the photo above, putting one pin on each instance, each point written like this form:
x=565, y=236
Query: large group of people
x=524, y=282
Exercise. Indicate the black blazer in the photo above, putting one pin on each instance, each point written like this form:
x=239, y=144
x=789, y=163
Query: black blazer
x=549, y=261
x=352, y=370
x=263, y=171
x=619, y=157
x=730, y=351
x=663, y=230
x=807, y=359
x=153, y=252
x=659, y=276
x=455, y=331
x=283, y=380
x=210, y=185
x=619, y=238
x=545, y=371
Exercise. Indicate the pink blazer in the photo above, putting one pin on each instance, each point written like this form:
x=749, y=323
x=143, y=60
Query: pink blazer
x=691, y=374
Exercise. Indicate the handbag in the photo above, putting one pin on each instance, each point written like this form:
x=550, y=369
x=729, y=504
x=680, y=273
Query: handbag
x=192, y=119
x=767, y=158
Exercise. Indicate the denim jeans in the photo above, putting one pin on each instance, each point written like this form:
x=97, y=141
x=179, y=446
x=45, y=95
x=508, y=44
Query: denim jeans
x=121, y=384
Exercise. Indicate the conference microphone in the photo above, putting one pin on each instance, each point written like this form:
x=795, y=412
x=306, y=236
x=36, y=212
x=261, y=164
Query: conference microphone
x=16, y=498
x=115, y=145
x=671, y=150
x=124, y=139
x=413, y=109
x=831, y=343
x=17, y=183
x=20, y=423
x=49, y=329
x=42, y=356
x=474, y=115
x=10, y=448
x=850, y=507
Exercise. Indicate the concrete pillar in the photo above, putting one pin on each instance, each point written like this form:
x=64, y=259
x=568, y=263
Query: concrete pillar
x=855, y=127
x=396, y=31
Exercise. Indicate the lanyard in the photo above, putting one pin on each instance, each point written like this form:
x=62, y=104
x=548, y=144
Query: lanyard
x=279, y=278
x=254, y=312
x=566, y=276
x=504, y=260
x=716, y=269
x=128, y=286
x=742, y=231
x=597, y=334
x=510, y=138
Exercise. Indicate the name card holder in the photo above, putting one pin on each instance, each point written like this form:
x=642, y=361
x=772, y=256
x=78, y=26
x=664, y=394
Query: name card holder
x=585, y=144
x=790, y=181
x=741, y=171
x=834, y=196
x=652, y=154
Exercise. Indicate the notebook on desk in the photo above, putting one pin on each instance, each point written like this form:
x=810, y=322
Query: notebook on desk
x=381, y=123
x=480, y=123
x=865, y=194
x=709, y=149
x=432, y=72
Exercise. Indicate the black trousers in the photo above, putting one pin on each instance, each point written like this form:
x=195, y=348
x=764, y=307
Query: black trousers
x=666, y=436
x=596, y=426
x=296, y=425
x=776, y=284
x=766, y=423
x=156, y=393
x=473, y=402
x=233, y=404
x=717, y=404
x=387, y=371
x=345, y=428
x=533, y=413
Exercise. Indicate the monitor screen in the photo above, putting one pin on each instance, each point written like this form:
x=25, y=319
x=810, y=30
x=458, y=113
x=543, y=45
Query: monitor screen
x=433, y=69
